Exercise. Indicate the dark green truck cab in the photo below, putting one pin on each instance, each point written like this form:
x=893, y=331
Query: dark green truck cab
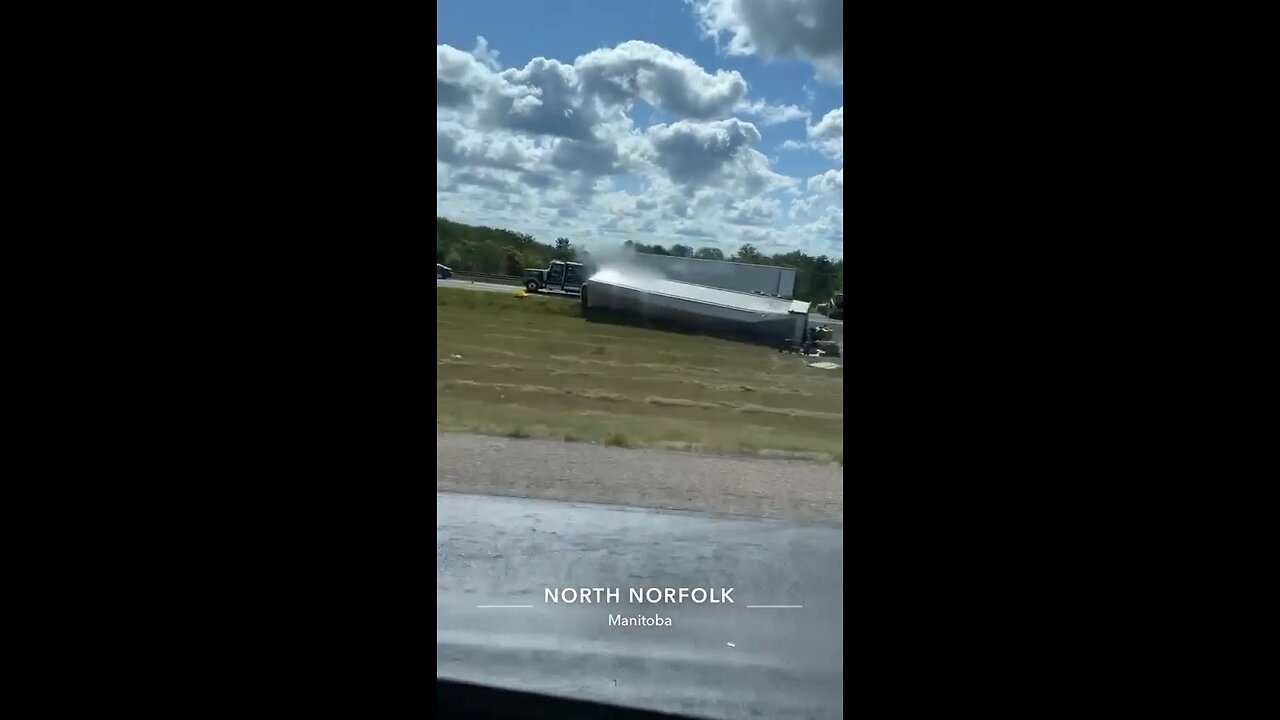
x=561, y=275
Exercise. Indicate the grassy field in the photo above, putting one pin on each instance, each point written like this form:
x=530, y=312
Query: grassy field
x=530, y=367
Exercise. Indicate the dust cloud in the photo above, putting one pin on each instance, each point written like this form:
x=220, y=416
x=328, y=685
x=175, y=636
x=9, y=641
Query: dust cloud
x=618, y=264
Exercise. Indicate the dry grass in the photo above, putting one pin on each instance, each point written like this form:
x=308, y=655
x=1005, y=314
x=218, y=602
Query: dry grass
x=456, y=299
x=530, y=366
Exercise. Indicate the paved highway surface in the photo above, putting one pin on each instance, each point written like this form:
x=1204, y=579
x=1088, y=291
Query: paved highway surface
x=495, y=287
x=476, y=285
x=724, y=660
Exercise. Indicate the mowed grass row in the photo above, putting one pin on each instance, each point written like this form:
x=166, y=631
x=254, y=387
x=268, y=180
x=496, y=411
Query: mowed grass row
x=530, y=367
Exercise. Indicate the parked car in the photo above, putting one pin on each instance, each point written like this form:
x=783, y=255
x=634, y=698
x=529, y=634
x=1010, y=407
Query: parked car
x=442, y=271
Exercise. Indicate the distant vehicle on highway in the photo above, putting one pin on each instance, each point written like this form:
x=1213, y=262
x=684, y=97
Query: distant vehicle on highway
x=562, y=276
x=442, y=271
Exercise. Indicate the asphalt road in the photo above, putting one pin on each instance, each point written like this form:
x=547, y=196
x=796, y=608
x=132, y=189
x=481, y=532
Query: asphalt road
x=724, y=660
x=476, y=285
x=496, y=287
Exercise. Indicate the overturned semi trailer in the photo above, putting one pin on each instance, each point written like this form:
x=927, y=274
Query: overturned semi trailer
x=741, y=277
x=763, y=279
x=659, y=302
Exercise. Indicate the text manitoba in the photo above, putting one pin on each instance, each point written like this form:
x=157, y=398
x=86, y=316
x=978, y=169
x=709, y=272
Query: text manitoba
x=639, y=620
x=652, y=596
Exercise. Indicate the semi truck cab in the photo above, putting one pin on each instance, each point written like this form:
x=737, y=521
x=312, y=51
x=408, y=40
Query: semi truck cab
x=561, y=275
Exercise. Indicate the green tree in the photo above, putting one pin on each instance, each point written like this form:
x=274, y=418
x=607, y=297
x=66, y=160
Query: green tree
x=749, y=254
x=681, y=250
x=483, y=249
x=513, y=262
x=486, y=257
x=709, y=253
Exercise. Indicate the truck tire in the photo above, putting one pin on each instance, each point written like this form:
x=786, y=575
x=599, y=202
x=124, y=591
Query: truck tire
x=829, y=347
x=531, y=286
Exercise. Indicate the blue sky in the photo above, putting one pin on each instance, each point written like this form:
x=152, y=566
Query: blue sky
x=722, y=125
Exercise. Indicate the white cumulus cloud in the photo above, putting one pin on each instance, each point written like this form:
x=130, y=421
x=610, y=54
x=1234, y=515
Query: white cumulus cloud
x=551, y=148
x=811, y=30
x=828, y=135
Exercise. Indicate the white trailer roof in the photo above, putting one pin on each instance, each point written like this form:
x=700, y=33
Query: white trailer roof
x=698, y=293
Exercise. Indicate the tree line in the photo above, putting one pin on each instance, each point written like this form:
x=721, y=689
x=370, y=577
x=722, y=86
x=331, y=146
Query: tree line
x=817, y=278
x=495, y=250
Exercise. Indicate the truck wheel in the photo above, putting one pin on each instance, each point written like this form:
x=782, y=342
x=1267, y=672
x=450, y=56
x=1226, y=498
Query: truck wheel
x=531, y=286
